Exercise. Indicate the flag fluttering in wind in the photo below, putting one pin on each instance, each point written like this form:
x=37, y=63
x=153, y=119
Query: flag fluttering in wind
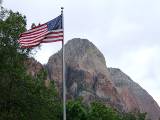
x=51, y=31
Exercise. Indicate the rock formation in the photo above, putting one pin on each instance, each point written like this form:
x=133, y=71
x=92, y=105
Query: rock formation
x=33, y=67
x=134, y=96
x=86, y=73
x=87, y=76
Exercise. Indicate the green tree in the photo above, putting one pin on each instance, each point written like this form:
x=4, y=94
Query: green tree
x=76, y=110
x=99, y=111
x=129, y=116
x=22, y=97
x=141, y=116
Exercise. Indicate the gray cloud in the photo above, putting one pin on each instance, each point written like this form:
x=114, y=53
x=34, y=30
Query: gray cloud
x=126, y=31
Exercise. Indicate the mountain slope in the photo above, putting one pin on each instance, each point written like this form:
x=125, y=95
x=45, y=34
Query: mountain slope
x=87, y=76
x=135, y=97
x=86, y=73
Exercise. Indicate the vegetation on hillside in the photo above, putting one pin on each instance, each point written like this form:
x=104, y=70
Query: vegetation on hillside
x=23, y=97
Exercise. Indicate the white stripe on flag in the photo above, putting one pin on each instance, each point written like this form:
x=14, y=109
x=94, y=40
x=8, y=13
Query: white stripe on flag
x=30, y=36
x=36, y=29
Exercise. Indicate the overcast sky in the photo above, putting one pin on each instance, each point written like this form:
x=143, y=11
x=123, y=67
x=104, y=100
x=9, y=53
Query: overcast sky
x=127, y=32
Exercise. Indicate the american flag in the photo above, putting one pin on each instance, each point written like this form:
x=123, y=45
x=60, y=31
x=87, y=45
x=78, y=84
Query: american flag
x=51, y=31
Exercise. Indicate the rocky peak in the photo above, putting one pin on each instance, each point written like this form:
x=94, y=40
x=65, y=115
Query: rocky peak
x=87, y=76
x=83, y=51
x=86, y=73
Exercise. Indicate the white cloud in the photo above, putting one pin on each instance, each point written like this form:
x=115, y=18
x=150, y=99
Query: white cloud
x=121, y=28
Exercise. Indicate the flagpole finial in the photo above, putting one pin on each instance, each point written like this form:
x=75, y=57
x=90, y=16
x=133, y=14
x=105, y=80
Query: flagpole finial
x=62, y=9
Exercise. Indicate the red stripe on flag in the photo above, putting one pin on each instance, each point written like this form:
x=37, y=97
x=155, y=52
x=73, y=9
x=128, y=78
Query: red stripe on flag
x=54, y=36
x=52, y=41
x=34, y=32
x=53, y=32
x=32, y=37
x=40, y=34
x=33, y=41
x=29, y=46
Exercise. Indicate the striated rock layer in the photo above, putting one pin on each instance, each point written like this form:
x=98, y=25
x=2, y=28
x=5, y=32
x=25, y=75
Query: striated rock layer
x=134, y=96
x=87, y=76
x=86, y=73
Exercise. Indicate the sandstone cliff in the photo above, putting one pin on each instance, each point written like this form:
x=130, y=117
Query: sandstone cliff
x=134, y=96
x=86, y=73
x=33, y=66
x=87, y=76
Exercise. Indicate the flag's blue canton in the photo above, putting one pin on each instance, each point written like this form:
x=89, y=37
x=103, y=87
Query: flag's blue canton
x=55, y=24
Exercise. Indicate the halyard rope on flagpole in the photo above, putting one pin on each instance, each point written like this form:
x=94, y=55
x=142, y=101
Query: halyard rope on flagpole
x=63, y=70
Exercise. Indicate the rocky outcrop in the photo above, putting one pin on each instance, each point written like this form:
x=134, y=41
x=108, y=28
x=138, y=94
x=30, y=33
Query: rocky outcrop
x=87, y=76
x=33, y=66
x=134, y=96
x=86, y=73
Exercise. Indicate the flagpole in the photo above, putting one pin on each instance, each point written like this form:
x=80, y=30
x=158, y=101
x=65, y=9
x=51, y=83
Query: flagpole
x=63, y=70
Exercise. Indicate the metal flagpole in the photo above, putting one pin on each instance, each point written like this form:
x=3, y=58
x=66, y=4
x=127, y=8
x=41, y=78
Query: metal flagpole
x=63, y=71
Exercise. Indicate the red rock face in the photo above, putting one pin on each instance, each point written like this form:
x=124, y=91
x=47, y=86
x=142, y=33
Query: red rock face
x=33, y=67
x=87, y=76
x=129, y=99
x=134, y=96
